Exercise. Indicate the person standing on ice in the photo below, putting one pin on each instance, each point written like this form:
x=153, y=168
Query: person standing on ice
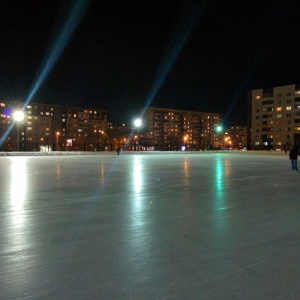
x=118, y=151
x=293, y=157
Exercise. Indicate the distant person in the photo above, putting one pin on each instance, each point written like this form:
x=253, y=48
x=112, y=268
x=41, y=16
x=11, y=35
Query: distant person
x=294, y=153
x=118, y=151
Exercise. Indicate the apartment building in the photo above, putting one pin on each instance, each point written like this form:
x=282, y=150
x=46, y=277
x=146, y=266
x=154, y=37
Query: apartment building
x=52, y=127
x=274, y=117
x=173, y=129
x=235, y=137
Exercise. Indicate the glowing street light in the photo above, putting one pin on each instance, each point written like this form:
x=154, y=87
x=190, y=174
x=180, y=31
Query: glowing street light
x=137, y=124
x=18, y=117
x=219, y=128
x=57, y=135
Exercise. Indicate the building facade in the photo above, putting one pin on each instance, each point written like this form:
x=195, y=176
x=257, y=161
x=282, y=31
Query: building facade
x=235, y=138
x=274, y=117
x=47, y=127
x=173, y=129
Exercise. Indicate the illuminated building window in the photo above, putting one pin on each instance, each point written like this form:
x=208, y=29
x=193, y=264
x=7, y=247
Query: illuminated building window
x=2, y=104
x=47, y=114
x=297, y=92
x=278, y=108
x=29, y=106
x=288, y=108
x=278, y=116
x=42, y=139
x=29, y=128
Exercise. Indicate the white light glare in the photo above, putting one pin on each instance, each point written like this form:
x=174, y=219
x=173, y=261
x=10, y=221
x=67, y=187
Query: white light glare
x=18, y=116
x=137, y=123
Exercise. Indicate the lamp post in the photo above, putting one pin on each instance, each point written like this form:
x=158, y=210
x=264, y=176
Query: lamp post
x=219, y=130
x=18, y=117
x=57, y=135
x=185, y=139
x=137, y=124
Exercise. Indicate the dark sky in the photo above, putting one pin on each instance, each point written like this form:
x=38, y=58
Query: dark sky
x=193, y=55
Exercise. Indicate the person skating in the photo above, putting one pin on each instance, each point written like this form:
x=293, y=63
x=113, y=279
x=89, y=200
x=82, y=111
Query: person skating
x=294, y=153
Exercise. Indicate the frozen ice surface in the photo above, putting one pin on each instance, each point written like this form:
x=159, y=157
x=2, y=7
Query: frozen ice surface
x=150, y=226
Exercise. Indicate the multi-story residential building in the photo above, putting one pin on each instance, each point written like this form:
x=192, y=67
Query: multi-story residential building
x=235, y=137
x=172, y=129
x=274, y=117
x=52, y=127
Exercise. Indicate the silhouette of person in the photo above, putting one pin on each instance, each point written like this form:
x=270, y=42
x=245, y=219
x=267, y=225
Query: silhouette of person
x=293, y=157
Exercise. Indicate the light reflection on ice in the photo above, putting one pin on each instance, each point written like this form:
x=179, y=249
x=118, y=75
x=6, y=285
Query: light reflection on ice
x=18, y=189
x=137, y=175
x=219, y=183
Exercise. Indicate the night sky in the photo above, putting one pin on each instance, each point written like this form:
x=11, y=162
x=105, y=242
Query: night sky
x=124, y=55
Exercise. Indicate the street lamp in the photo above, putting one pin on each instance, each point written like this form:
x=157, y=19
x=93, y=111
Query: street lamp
x=137, y=124
x=18, y=117
x=57, y=135
x=219, y=130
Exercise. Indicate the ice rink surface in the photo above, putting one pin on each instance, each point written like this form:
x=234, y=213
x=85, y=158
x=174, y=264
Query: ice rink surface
x=150, y=226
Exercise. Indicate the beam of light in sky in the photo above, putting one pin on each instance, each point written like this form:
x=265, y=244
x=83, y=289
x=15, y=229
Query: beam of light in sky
x=76, y=12
x=174, y=49
x=239, y=93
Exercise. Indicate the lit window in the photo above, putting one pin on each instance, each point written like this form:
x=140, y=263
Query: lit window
x=288, y=108
x=2, y=104
x=278, y=116
x=297, y=92
x=257, y=97
x=278, y=108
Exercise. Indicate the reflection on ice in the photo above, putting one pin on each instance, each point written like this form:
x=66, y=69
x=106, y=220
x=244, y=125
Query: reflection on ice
x=219, y=181
x=137, y=175
x=18, y=188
